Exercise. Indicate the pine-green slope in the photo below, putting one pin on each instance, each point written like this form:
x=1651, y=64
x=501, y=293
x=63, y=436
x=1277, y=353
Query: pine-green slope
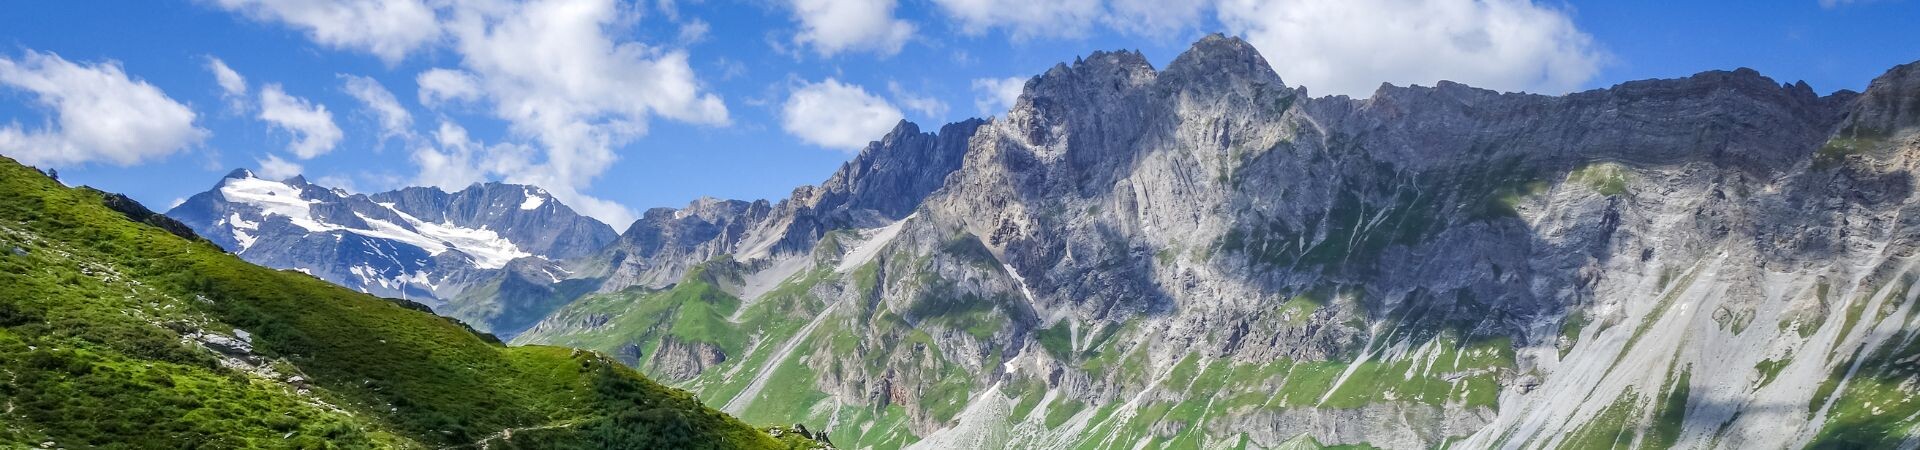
x=103, y=319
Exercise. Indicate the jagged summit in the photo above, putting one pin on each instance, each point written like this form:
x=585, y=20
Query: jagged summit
x=418, y=243
x=1891, y=103
x=1201, y=256
x=1133, y=252
x=1220, y=59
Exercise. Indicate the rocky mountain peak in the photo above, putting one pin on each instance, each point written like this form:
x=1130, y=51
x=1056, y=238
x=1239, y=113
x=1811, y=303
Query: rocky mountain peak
x=1891, y=104
x=1221, y=60
x=893, y=173
x=420, y=243
x=1101, y=74
x=1117, y=61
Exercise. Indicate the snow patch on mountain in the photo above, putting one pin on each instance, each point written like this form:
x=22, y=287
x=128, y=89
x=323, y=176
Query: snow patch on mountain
x=488, y=249
x=535, y=198
x=272, y=198
x=242, y=229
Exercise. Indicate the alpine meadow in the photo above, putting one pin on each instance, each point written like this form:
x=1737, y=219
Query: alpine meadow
x=1491, y=224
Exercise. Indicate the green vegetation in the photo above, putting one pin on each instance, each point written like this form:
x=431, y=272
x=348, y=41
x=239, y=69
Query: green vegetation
x=1061, y=410
x=1609, y=179
x=1301, y=307
x=1733, y=318
x=971, y=314
x=93, y=353
x=1357, y=232
x=966, y=247
x=1446, y=372
x=1872, y=398
x=789, y=393
x=636, y=321
x=1770, y=369
x=1659, y=312
x=1026, y=394
x=1851, y=141
x=1670, y=414
x=1858, y=307
x=1570, y=330
x=513, y=303
x=1057, y=340
x=1613, y=427
x=1363, y=220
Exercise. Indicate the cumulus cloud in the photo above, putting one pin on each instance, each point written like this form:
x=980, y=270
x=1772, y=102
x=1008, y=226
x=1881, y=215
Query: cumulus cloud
x=995, y=95
x=460, y=161
x=274, y=168
x=838, y=116
x=99, y=114
x=394, y=119
x=389, y=29
x=694, y=31
x=439, y=86
x=451, y=166
x=834, y=26
x=1351, y=46
x=1153, y=17
x=311, y=124
x=554, y=72
x=233, y=87
x=1025, y=18
x=927, y=106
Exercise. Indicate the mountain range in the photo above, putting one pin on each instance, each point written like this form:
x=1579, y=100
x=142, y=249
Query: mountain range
x=1202, y=256
x=420, y=244
x=120, y=328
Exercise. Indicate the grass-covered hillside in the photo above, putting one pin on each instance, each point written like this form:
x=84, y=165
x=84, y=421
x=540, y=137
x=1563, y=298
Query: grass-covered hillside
x=115, y=333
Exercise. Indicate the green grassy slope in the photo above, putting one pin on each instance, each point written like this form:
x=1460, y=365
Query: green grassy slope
x=96, y=314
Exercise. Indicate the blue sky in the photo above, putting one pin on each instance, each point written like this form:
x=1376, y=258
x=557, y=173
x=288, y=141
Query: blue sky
x=622, y=106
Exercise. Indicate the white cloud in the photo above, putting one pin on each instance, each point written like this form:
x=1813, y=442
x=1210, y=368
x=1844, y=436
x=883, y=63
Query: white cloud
x=438, y=86
x=176, y=202
x=311, y=124
x=389, y=29
x=694, y=31
x=838, y=116
x=932, y=108
x=451, y=166
x=560, y=73
x=1153, y=17
x=233, y=87
x=1025, y=18
x=553, y=72
x=834, y=26
x=1351, y=46
x=338, y=182
x=461, y=161
x=100, y=115
x=394, y=119
x=274, y=168
x=995, y=95
x=1831, y=4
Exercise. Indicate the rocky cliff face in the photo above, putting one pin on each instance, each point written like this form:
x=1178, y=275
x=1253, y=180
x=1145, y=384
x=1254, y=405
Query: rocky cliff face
x=458, y=252
x=884, y=183
x=1203, y=256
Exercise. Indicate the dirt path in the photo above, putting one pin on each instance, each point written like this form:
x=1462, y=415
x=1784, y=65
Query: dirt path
x=506, y=434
